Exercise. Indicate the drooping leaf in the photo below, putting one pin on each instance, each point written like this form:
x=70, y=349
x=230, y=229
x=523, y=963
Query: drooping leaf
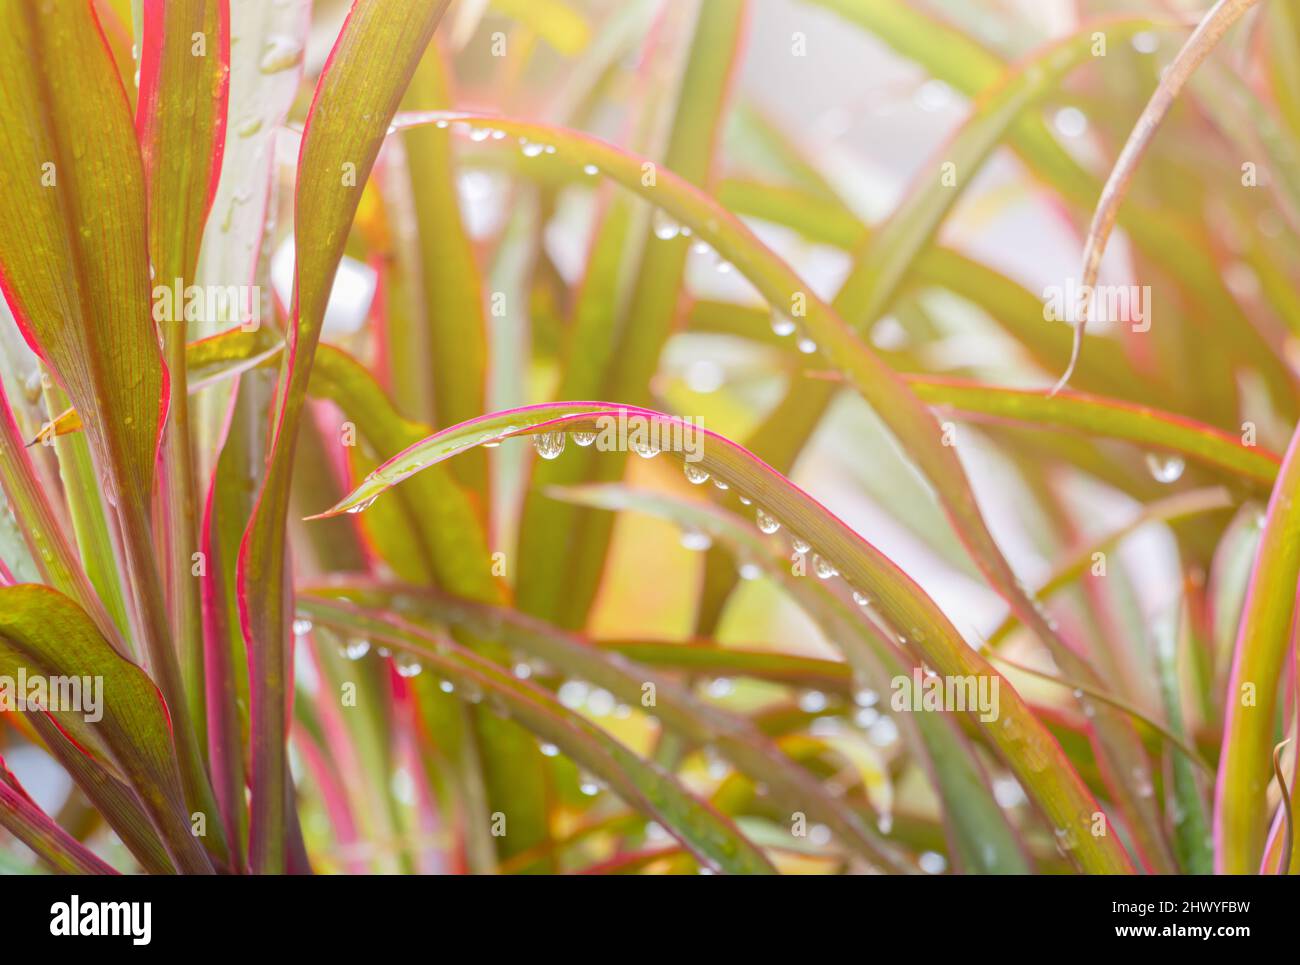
x=1026, y=745
x=981, y=839
x=1198, y=46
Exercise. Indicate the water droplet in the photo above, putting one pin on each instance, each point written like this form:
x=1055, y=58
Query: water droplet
x=782, y=324
x=932, y=862
x=812, y=702
x=549, y=445
x=695, y=540
x=531, y=149
x=720, y=687
x=720, y=484
x=861, y=599
x=601, y=703
x=573, y=693
x=644, y=450
x=548, y=750
x=749, y=571
x=1165, y=468
x=362, y=506
x=590, y=170
x=823, y=567
x=280, y=53
x=724, y=267
x=407, y=666
x=589, y=788
x=800, y=545
x=480, y=134
x=665, y=228
x=866, y=697
x=447, y=687
x=301, y=627
x=806, y=345
x=745, y=501
x=356, y=649
x=584, y=439
x=694, y=474
x=766, y=524
x=523, y=670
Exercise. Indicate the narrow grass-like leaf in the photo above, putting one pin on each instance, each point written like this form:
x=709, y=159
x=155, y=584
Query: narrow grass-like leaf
x=451, y=301
x=41, y=531
x=355, y=99
x=24, y=819
x=75, y=272
x=181, y=124
x=44, y=634
x=1024, y=742
x=708, y=835
x=1250, y=705
x=676, y=708
x=1111, y=418
x=563, y=550
x=981, y=840
x=1198, y=46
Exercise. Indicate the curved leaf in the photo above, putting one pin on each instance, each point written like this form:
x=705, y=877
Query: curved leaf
x=675, y=707
x=707, y=834
x=43, y=634
x=1199, y=45
x=1024, y=742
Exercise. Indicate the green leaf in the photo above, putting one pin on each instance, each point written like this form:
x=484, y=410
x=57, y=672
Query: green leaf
x=656, y=794
x=1028, y=748
x=24, y=819
x=1111, y=418
x=1198, y=46
x=453, y=352
x=562, y=550
x=76, y=276
x=1250, y=705
x=181, y=125
x=675, y=707
x=43, y=634
x=355, y=99
x=981, y=839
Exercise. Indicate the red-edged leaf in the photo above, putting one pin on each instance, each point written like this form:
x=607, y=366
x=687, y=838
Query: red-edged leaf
x=24, y=819
x=181, y=125
x=117, y=716
x=355, y=100
x=74, y=267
